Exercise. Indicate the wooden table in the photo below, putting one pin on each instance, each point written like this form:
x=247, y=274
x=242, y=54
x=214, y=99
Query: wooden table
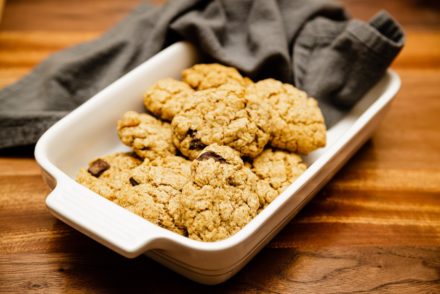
x=375, y=227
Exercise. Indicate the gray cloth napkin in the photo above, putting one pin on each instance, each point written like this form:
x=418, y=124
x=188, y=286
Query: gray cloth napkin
x=310, y=43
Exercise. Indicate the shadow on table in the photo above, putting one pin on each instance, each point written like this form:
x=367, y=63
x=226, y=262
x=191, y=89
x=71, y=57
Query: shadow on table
x=20, y=151
x=85, y=264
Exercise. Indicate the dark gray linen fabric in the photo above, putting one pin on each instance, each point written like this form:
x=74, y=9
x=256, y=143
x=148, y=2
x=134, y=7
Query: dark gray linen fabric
x=310, y=43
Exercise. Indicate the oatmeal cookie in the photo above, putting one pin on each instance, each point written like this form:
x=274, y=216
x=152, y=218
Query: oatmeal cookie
x=297, y=122
x=109, y=174
x=155, y=190
x=225, y=116
x=206, y=76
x=166, y=97
x=156, y=204
x=278, y=168
x=172, y=170
x=139, y=199
x=148, y=136
x=222, y=196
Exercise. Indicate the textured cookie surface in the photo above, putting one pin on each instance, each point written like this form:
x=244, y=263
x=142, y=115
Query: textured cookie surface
x=297, y=121
x=149, y=189
x=278, y=168
x=109, y=174
x=156, y=188
x=206, y=76
x=222, y=196
x=224, y=116
x=171, y=170
x=166, y=97
x=148, y=136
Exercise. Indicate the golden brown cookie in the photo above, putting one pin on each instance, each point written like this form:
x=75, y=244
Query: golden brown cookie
x=156, y=204
x=278, y=168
x=109, y=174
x=297, y=121
x=221, y=198
x=170, y=170
x=140, y=199
x=155, y=190
x=225, y=116
x=166, y=97
x=150, y=189
x=207, y=76
x=148, y=136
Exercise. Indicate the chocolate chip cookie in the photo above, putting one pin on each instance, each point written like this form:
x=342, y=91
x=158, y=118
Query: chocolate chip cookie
x=166, y=97
x=156, y=188
x=171, y=170
x=109, y=174
x=221, y=197
x=297, y=122
x=225, y=116
x=146, y=135
x=156, y=204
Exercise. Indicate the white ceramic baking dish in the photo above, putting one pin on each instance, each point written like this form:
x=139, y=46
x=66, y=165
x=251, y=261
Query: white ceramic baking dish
x=89, y=131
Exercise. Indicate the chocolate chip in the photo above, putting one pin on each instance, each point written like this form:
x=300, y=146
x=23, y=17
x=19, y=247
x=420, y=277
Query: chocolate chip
x=97, y=167
x=133, y=182
x=191, y=132
x=196, y=144
x=209, y=154
x=134, y=155
x=248, y=159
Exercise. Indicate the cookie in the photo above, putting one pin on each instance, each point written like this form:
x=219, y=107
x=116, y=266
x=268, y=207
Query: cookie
x=109, y=174
x=155, y=190
x=225, y=116
x=171, y=170
x=278, y=168
x=297, y=122
x=140, y=200
x=221, y=197
x=207, y=76
x=166, y=97
x=155, y=204
x=146, y=135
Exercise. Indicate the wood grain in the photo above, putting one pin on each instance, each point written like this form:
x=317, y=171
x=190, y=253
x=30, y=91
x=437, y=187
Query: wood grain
x=374, y=228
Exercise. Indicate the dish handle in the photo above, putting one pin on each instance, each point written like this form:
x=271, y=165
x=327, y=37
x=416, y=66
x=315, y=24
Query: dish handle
x=103, y=220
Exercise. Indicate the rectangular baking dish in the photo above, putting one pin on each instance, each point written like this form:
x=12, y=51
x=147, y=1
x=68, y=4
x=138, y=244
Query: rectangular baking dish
x=89, y=131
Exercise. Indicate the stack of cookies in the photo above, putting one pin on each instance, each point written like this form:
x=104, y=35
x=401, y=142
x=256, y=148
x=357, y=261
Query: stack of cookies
x=213, y=150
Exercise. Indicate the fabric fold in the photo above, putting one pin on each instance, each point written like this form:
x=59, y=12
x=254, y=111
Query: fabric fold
x=339, y=61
